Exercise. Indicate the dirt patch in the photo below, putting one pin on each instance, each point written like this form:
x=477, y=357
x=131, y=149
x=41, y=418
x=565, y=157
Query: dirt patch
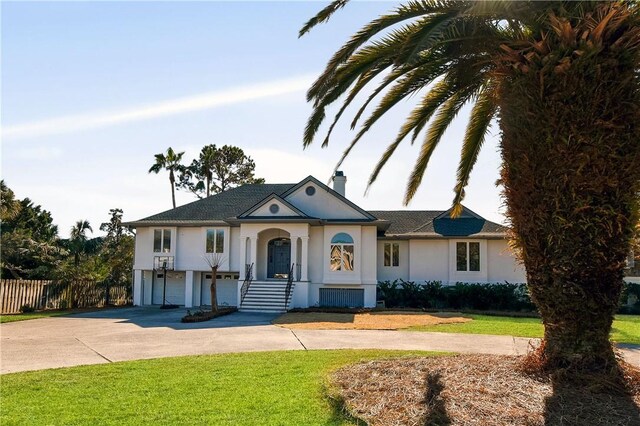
x=387, y=320
x=471, y=390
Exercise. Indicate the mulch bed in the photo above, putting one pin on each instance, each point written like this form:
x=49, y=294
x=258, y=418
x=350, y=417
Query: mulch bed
x=522, y=314
x=200, y=316
x=472, y=390
x=378, y=320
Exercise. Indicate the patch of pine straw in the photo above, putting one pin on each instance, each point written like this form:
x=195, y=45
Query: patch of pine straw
x=388, y=320
x=471, y=390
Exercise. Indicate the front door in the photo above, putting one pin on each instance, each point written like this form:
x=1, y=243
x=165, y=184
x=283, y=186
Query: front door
x=279, y=258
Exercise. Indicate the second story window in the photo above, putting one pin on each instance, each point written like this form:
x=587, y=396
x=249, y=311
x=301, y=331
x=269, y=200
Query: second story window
x=215, y=241
x=468, y=256
x=391, y=254
x=342, y=252
x=162, y=240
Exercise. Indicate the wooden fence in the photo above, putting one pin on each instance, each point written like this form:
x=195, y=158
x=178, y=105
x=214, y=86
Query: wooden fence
x=44, y=294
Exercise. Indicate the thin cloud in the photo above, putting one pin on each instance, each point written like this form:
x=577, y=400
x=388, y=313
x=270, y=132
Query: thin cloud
x=74, y=123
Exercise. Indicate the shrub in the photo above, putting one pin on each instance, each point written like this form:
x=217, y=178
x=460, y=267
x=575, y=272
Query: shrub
x=477, y=296
x=630, y=292
x=25, y=309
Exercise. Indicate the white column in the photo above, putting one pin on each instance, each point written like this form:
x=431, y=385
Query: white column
x=305, y=259
x=254, y=255
x=137, y=287
x=147, y=288
x=294, y=255
x=188, y=290
x=243, y=257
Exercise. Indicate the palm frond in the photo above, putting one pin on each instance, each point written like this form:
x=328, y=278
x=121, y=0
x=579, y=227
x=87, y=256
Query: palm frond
x=405, y=12
x=322, y=16
x=482, y=113
x=445, y=115
x=416, y=120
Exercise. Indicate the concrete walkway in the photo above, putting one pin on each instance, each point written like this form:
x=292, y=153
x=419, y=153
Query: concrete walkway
x=142, y=333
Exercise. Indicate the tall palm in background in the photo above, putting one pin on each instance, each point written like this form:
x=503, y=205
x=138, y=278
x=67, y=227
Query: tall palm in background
x=78, y=247
x=171, y=162
x=78, y=240
x=562, y=80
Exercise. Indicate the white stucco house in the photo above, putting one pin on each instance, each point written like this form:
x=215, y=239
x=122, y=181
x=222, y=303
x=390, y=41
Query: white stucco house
x=305, y=244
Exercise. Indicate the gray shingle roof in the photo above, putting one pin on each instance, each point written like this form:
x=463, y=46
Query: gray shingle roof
x=403, y=221
x=422, y=222
x=222, y=206
x=235, y=201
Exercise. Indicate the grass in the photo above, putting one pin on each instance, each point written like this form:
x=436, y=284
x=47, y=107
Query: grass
x=4, y=318
x=267, y=388
x=626, y=328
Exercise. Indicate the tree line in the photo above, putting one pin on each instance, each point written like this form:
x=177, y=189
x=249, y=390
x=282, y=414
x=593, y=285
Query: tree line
x=214, y=171
x=32, y=248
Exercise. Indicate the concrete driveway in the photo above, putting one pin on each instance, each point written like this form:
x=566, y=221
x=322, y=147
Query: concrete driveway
x=142, y=333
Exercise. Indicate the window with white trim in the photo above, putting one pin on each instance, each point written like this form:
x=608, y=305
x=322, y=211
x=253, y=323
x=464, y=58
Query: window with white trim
x=215, y=241
x=391, y=254
x=342, y=253
x=468, y=256
x=162, y=240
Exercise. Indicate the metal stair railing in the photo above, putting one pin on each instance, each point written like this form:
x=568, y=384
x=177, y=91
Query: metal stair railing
x=248, y=277
x=287, y=291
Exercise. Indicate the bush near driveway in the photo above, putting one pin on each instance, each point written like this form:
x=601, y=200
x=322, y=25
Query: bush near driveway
x=479, y=296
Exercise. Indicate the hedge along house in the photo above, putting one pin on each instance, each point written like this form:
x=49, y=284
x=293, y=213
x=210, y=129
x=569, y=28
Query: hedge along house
x=305, y=244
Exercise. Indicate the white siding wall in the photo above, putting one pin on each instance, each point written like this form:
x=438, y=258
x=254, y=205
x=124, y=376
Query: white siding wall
x=283, y=210
x=322, y=204
x=502, y=263
x=393, y=272
x=188, y=248
x=369, y=258
x=191, y=254
x=234, y=249
x=144, y=247
x=316, y=257
x=429, y=260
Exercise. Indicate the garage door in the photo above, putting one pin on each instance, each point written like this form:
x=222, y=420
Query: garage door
x=175, y=288
x=227, y=290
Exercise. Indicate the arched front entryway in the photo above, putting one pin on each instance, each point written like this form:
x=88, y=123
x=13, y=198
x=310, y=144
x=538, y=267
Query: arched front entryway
x=279, y=258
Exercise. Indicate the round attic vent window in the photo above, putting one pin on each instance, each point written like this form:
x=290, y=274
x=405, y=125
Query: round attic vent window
x=274, y=208
x=310, y=190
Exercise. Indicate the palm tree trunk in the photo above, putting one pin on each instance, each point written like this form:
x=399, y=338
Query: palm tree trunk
x=571, y=177
x=172, y=181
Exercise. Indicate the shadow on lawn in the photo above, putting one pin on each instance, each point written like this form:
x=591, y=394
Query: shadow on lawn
x=153, y=316
x=339, y=411
x=573, y=405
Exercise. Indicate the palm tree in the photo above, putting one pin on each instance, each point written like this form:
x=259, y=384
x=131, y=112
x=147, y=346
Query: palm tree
x=561, y=78
x=77, y=247
x=9, y=206
x=170, y=162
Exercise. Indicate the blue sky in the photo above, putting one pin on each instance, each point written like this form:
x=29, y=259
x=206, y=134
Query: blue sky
x=92, y=90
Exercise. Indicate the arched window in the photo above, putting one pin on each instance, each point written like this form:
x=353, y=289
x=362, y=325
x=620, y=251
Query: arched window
x=342, y=258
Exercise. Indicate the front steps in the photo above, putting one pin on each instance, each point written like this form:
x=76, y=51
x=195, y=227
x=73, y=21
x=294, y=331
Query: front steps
x=267, y=296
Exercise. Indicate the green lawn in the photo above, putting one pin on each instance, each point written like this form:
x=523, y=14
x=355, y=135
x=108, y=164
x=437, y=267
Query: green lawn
x=266, y=388
x=626, y=328
x=33, y=315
